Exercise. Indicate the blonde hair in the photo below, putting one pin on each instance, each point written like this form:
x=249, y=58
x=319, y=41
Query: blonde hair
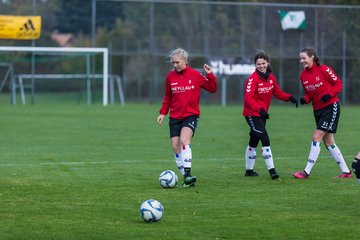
x=179, y=52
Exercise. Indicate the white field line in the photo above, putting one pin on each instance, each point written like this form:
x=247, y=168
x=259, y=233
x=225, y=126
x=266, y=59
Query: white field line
x=68, y=163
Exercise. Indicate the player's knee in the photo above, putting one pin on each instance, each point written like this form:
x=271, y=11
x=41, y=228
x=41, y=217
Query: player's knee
x=185, y=141
x=265, y=140
x=318, y=136
x=256, y=134
x=176, y=149
x=328, y=142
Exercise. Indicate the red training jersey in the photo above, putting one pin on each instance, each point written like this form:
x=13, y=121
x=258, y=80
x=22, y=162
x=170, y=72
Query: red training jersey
x=318, y=81
x=259, y=92
x=182, y=92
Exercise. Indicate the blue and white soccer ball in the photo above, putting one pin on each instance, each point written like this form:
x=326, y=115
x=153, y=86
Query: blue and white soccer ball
x=168, y=179
x=151, y=210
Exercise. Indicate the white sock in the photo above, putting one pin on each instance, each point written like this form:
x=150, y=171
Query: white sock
x=186, y=157
x=313, y=156
x=338, y=157
x=266, y=152
x=179, y=163
x=250, y=157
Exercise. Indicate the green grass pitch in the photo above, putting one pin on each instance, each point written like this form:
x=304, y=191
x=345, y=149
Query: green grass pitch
x=71, y=171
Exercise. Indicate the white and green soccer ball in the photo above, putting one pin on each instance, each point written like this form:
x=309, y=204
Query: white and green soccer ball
x=168, y=179
x=151, y=210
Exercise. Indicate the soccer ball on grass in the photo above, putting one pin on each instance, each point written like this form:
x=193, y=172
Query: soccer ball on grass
x=168, y=179
x=151, y=210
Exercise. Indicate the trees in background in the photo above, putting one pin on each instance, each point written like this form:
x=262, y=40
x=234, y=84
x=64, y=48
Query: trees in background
x=141, y=33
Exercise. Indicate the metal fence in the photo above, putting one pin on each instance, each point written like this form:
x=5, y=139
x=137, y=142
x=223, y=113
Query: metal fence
x=140, y=36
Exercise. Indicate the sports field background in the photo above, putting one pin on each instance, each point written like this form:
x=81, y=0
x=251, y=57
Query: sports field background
x=76, y=171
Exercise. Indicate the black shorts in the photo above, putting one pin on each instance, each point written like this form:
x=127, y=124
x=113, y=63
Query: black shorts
x=257, y=125
x=327, y=118
x=177, y=124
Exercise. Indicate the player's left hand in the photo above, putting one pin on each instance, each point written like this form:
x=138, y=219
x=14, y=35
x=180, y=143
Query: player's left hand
x=325, y=98
x=294, y=101
x=302, y=101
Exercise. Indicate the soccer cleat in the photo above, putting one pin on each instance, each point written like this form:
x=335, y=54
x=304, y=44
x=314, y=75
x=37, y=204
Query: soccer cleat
x=251, y=173
x=345, y=175
x=273, y=174
x=189, y=181
x=301, y=175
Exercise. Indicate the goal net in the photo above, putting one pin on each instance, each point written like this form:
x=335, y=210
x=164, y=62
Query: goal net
x=26, y=69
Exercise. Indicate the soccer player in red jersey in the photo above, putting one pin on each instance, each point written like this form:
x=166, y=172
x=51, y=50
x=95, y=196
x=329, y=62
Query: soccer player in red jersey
x=259, y=90
x=321, y=87
x=182, y=98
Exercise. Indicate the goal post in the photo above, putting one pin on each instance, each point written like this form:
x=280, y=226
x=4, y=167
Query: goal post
x=39, y=50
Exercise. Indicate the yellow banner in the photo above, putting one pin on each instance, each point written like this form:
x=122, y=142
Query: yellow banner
x=20, y=27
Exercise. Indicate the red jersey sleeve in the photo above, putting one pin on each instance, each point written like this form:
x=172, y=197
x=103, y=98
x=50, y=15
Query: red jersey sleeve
x=209, y=83
x=333, y=79
x=250, y=96
x=167, y=99
x=280, y=94
x=305, y=96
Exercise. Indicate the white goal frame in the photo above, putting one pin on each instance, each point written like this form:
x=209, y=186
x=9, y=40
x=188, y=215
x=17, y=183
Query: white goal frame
x=103, y=51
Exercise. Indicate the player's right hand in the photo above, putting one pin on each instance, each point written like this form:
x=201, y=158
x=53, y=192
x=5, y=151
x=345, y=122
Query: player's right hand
x=264, y=114
x=325, y=98
x=160, y=118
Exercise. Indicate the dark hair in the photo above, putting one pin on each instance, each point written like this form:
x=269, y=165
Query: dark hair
x=261, y=55
x=311, y=53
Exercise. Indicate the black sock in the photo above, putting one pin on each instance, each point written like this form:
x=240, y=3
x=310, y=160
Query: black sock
x=272, y=171
x=187, y=172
